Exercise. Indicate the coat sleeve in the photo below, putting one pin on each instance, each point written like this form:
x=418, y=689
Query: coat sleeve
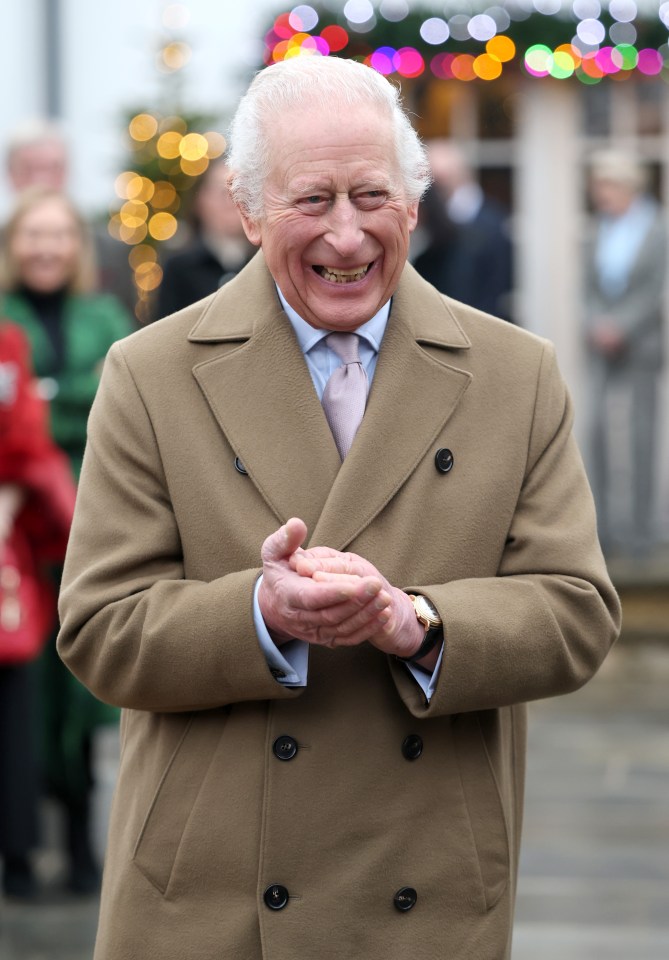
x=134, y=631
x=544, y=624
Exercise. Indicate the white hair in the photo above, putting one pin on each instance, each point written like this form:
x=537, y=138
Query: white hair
x=320, y=81
x=35, y=130
x=618, y=167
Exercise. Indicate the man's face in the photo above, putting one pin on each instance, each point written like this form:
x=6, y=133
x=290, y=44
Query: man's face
x=611, y=197
x=42, y=164
x=336, y=225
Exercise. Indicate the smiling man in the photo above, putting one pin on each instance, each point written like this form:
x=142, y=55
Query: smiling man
x=332, y=533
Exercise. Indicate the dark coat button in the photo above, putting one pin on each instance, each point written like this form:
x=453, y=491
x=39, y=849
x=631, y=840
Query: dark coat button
x=412, y=747
x=275, y=897
x=444, y=460
x=284, y=748
x=405, y=899
x=240, y=468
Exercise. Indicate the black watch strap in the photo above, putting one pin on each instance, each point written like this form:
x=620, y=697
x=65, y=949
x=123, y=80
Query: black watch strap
x=432, y=637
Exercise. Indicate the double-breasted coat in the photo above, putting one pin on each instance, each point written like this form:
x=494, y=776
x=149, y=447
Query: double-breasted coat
x=256, y=821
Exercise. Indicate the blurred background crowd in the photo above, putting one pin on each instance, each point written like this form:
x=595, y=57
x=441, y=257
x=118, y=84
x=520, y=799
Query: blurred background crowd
x=550, y=161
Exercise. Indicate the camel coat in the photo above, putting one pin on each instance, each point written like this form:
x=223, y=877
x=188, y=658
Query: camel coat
x=211, y=817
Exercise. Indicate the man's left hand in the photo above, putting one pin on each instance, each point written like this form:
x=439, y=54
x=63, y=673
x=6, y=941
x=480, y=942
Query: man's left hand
x=400, y=635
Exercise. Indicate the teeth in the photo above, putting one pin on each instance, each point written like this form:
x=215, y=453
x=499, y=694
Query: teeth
x=343, y=276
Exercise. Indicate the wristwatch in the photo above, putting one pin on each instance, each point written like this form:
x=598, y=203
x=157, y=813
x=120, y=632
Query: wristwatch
x=428, y=615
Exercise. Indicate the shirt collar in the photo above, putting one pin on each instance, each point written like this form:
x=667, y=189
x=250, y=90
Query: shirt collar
x=372, y=331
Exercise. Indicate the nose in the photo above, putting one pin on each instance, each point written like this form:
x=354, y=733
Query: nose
x=344, y=232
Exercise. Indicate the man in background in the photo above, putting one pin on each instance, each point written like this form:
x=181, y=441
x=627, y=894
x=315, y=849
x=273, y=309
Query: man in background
x=218, y=248
x=625, y=289
x=468, y=254
x=37, y=155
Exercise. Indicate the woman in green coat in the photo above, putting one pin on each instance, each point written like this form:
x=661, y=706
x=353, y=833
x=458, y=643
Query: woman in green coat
x=47, y=275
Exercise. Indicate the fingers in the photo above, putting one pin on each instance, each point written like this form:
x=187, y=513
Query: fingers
x=307, y=564
x=284, y=541
x=312, y=595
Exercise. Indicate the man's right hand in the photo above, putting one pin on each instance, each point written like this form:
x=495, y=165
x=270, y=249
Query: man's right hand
x=319, y=612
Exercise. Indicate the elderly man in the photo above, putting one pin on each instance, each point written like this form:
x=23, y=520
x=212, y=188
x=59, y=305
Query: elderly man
x=624, y=312
x=323, y=751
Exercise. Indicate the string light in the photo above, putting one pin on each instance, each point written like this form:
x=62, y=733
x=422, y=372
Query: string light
x=483, y=39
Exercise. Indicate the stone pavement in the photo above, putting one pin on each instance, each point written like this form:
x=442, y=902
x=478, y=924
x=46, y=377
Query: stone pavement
x=594, y=881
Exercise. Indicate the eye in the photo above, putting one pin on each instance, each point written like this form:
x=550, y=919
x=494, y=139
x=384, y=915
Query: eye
x=314, y=203
x=370, y=199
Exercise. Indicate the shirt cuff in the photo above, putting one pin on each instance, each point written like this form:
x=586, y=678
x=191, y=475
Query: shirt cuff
x=426, y=681
x=290, y=665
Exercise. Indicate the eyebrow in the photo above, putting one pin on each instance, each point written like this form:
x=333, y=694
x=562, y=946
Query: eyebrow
x=308, y=187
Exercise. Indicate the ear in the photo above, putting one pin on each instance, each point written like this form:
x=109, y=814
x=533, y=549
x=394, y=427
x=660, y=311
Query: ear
x=412, y=210
x=251, y=227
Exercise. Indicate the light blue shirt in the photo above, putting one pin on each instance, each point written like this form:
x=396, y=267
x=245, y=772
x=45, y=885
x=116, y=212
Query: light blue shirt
x=290, y=664
x=619, y=240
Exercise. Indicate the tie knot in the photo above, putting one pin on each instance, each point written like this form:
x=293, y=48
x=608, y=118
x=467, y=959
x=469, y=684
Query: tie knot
x=345, y=345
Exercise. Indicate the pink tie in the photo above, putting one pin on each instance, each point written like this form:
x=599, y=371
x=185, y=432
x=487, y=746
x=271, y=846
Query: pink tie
x=345, y=392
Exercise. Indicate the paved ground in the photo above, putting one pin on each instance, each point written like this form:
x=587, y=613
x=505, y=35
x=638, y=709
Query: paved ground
x=594, y=882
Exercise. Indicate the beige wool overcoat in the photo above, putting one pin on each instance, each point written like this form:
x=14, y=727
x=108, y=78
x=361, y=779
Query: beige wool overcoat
x=383, y=792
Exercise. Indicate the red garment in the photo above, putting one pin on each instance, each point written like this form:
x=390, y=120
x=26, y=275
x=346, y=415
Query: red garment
x=29, y=459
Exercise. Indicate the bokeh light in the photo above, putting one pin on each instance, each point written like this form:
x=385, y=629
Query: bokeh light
x=335, y=37
x=623, y=10
x=194, y=168
x=586, y=9
x=382, y=60
x=500, y=16
x=148, y=275
x=162, y=226
x=193, y=146
x=434, y=30
x=142, y=254
x=462, y=67
x=538, y=59
x=168, y=145
x=501, y=48
x=591, y=32
x=547, y=7
x=482, y=27
x=409, y=62
x=458, y=26
x=165, y=196
x=216, y=144
x=358, y=11
x=486, y=67
x=303, y=18
x=143, y=127
x=650, y=62
x=176, y=55
x=394, y=11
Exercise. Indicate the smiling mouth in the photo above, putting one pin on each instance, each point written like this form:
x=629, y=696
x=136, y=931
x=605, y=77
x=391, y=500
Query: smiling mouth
x=334, y=275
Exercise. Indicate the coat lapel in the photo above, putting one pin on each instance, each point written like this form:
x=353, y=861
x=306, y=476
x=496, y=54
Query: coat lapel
x=413, y=394
x=260, y=392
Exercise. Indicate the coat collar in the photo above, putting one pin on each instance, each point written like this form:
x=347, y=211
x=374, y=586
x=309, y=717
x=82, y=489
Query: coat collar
x=260, y=391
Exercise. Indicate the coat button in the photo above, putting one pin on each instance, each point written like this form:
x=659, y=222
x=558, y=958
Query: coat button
x=240, y=468
x=285, y=748
x=405, y=899
x=412, y=747
x=444, y=460
x=275, y=897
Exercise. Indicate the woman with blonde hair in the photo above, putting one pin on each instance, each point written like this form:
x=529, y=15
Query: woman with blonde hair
x=47, y=279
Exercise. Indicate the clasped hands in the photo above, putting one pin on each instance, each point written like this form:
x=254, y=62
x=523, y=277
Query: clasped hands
x=332, y=599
